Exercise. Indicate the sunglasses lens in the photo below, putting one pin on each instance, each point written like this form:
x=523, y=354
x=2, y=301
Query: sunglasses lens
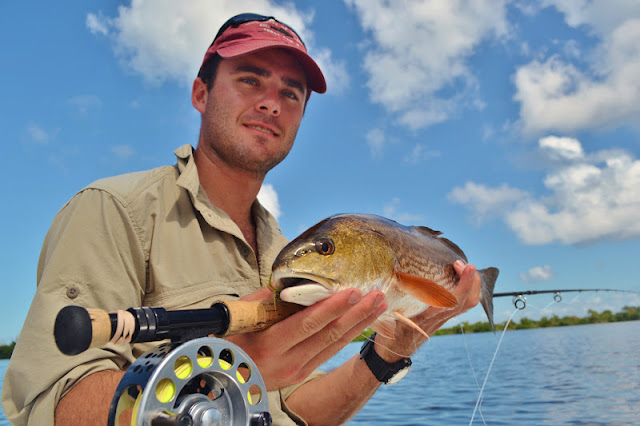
x=240, y=19
x=247, y=17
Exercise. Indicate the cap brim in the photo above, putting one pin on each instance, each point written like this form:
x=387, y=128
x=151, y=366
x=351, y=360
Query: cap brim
x=315, y=78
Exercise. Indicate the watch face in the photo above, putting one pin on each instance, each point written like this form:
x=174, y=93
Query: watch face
x=399, y=375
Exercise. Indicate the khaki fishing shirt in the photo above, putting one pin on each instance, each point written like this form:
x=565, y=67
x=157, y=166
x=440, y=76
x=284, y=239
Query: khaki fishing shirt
x=142, y=239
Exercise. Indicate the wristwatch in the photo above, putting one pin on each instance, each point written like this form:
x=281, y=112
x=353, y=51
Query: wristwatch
x=384, y=372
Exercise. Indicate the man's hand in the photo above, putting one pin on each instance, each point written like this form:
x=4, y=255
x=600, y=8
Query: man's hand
x=287, y=352
x=407, y=340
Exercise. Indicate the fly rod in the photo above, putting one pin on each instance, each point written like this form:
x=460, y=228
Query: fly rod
x=529, y=292
x=520, y=301
x=77, y=329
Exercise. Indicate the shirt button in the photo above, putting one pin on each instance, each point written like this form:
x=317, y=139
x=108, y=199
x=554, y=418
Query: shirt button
x=72, y=292
x=245, y=251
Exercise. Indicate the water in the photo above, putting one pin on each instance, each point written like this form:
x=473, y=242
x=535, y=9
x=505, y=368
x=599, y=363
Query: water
x=567, y=375
x=582, y=375
x=3, y=368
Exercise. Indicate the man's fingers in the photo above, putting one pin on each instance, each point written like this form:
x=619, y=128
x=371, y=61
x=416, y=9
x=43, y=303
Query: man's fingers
x=346, y=327
x=304, y=324
x=348, y=337
x=459, y=266
x=340, y=332
x=470, y=284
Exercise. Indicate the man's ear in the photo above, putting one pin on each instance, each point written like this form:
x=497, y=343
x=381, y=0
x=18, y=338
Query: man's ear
x=199, y=95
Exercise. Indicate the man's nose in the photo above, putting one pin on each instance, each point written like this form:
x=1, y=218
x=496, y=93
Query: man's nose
x=270, y=102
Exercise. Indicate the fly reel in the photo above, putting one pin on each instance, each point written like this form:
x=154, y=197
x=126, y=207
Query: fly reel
x=206, y=381
x=194, y=380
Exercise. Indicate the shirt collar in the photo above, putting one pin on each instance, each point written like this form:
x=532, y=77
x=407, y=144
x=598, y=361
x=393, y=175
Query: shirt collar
x=214, y=216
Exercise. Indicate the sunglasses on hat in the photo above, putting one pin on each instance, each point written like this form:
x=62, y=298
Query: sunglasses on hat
x=248, y=17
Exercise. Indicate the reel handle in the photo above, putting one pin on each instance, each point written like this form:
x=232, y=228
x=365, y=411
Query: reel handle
x=78, y=329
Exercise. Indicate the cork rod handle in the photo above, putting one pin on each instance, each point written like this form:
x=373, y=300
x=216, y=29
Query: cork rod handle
x=247, y=317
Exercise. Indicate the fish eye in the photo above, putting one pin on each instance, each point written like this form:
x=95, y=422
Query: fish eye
x=324, y=247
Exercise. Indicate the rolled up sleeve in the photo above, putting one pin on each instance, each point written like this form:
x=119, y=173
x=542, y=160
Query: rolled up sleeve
x=91, y=257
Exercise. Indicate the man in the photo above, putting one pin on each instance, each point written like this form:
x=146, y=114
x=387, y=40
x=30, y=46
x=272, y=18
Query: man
x=184, y=236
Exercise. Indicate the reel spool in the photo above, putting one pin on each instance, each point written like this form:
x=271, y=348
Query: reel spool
x=206, y=381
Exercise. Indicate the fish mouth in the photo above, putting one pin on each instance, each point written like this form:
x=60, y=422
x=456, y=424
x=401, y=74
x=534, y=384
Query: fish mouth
x=281, y=279
x=287, y=282
x=302, y=288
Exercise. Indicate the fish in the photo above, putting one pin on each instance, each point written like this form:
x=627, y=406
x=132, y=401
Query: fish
x=411, y=265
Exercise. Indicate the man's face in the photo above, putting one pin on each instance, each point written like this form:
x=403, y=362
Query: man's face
x=253, y=110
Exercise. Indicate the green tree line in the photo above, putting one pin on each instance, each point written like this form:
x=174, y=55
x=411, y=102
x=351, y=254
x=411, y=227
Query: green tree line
x=6, y=350
x=628, y=313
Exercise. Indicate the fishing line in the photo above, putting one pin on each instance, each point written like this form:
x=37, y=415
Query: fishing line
x=383, y=346
x=491, y=365
x=473, y=371
x=574, y=299
x=547, y=307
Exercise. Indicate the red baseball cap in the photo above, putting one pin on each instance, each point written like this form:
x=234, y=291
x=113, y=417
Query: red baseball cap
x=249, y=33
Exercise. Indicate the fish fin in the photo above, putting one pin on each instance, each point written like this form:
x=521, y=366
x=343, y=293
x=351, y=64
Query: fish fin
x=410, y=323
x=489, y=277
x=436, y=234
x=427, y=291
x=426, y=230
x=385, y=327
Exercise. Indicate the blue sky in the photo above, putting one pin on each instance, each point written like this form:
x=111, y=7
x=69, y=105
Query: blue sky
x=510, y=126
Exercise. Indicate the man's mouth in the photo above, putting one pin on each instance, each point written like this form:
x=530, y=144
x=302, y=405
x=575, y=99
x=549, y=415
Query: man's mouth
x=262, y=129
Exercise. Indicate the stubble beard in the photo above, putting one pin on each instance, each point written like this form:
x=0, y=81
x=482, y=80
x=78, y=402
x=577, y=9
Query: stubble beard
x=220, y=139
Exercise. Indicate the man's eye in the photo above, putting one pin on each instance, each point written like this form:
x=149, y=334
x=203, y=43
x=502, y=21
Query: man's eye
x=291, y=95
x=249, y=80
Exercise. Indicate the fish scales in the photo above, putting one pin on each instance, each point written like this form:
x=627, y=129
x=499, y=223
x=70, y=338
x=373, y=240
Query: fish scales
x=413, y=242
x=413, y=266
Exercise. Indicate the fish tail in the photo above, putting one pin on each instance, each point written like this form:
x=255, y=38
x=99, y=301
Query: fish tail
x=489, y=277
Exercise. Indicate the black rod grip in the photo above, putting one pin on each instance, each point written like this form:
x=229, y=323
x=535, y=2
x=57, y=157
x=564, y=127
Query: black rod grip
x=77, y=329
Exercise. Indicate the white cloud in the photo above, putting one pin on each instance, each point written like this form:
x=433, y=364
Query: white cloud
x=38, y=134
x=421, y=49
x=390, y=210
x=335, y=72
x=166, y=39
x=485, y=202
x=376, y=140
x=268, y=197
x=97, y=25
x=589, y=197
x=562, y=148
x=123, y=152
x=555, y=95
x=420, y=154
x=537, y=274
x=85, y=102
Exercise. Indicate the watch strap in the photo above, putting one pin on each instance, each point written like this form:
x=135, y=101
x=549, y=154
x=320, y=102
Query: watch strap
x=382, y=370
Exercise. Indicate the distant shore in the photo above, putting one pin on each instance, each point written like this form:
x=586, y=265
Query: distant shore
x=628, y=313
x=6, y=350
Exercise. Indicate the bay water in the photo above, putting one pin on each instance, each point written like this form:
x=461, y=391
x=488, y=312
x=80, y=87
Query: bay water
x=579, y=375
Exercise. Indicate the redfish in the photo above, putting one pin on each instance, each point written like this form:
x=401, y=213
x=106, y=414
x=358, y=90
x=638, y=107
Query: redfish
x=411, y=265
